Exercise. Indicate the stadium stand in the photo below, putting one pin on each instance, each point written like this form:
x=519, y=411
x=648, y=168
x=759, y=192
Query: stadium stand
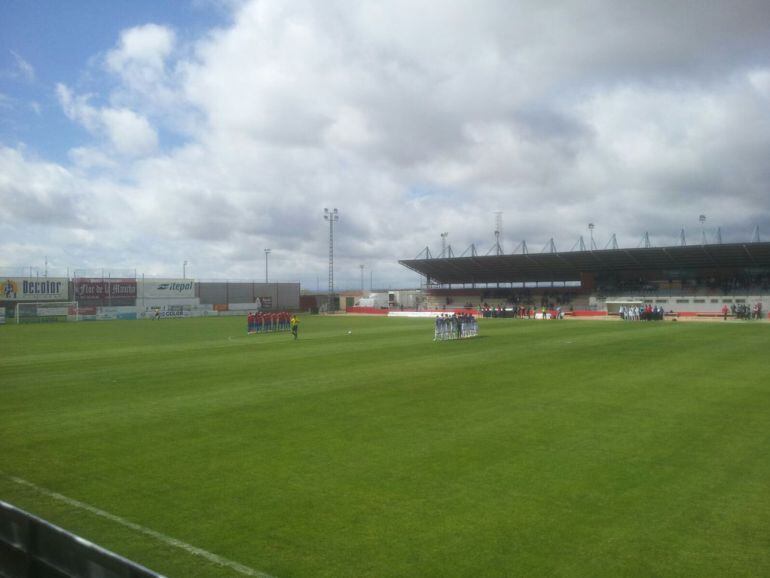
x=698, y=279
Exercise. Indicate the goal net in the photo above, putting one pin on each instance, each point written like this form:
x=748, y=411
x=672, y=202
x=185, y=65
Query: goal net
x=48, y=312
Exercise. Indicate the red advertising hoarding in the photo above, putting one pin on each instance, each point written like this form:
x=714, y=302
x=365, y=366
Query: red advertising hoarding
x=101, y=292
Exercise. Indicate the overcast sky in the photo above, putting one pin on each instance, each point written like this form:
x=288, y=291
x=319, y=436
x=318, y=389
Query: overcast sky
x=141, y=134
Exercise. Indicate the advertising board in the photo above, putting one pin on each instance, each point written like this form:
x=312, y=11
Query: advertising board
x=264, y=302
x=122, y=313
x=110, y=292
x=167, y=289
x=34, y=289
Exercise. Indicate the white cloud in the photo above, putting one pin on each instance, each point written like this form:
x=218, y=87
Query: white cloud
x=77, y=108
x=760, y=81
x=145, y=47
x=129, y=133
x=37, y=192
x=91, y=158
x=140, y=62
x=24, y=69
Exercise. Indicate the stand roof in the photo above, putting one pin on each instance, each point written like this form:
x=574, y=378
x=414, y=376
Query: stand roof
x=568, y=266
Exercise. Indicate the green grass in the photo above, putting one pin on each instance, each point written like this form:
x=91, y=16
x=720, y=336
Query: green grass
x=539, y=448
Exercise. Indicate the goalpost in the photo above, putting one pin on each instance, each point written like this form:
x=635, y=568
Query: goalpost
x=47, y=312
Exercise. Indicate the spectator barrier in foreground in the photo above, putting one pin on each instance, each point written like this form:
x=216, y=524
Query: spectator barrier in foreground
x=30, y=547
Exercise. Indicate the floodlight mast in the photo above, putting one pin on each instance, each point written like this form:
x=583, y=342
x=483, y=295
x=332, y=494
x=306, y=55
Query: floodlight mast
x=331, y=216
x=267, y=252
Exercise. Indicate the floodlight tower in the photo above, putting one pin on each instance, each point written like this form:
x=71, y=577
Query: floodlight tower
x=498, y=232
x=362, y=276
x=184, y=270
x=267, y=252
x=443, y=244
x=702, y=220
x=591, y=231
x=331, y=216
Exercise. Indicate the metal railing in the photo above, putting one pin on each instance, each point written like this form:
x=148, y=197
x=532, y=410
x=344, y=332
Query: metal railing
x=31, y=547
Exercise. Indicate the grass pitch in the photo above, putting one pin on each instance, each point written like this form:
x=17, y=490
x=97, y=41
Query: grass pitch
x=538, y=448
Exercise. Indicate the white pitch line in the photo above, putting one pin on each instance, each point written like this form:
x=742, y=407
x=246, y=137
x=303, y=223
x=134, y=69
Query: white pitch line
x=189, y=548
x=232, y=339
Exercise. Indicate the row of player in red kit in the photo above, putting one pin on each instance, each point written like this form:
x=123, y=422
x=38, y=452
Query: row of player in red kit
x=263, y=322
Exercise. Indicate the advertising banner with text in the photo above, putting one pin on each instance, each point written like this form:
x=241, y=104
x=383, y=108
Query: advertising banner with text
x=34, y=289
x=167, y=288
x=110, y=292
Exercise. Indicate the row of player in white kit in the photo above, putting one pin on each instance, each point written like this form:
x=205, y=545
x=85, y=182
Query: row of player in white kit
x=455, y=327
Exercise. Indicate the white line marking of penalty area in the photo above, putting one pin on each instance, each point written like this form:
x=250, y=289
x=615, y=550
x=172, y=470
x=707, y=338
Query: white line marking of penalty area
x=147, y=531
